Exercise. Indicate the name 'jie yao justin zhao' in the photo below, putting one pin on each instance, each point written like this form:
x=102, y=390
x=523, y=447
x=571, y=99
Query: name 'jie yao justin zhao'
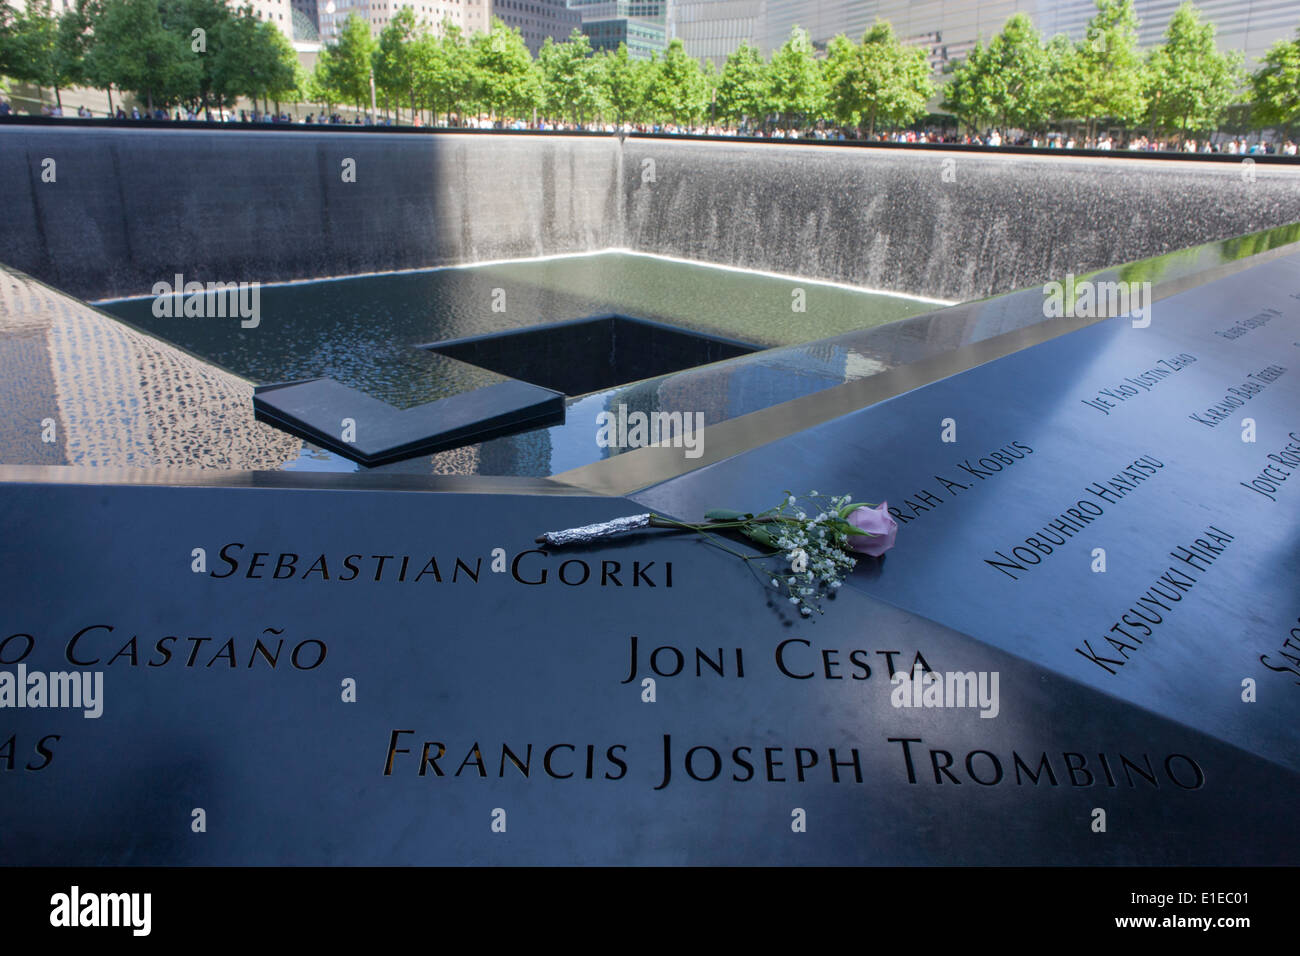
x=531, y=567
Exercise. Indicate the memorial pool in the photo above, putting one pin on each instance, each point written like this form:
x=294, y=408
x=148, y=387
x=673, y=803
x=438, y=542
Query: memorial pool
x=362, y=331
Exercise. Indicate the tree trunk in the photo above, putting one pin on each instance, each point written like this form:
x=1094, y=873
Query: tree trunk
x=109, y=91
x=149, y=99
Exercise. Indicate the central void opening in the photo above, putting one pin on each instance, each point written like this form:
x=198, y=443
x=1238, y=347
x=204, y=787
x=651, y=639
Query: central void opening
x=593, y=354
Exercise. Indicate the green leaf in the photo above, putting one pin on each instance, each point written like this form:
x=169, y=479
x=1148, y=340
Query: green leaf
x=760, y=534
x=726, y=514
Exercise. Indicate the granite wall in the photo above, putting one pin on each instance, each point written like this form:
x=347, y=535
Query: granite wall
x=130, y=207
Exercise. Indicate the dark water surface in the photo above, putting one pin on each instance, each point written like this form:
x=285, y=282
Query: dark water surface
x=361, y=331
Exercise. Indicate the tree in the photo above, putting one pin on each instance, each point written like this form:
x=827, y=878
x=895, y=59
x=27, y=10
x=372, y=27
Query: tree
x=200, y=24
x=569, y=77
x=48, y=49
x=882, y=81
x=1275, y=86
x=35, y=39
x=1108, y=77
x=969, y=93
x=677, y=90
x=743, y=92
x=623, y=84
x=397, y=58
x=9, y=58
x=251, y=58
x=278, y=73
x=508, y=82
x=446, y=70
x=1059, y=99
x=347, y=68
x=1004, y=82
x=1190, y=82
x=319, y=88
x=70, y=47
x=795, y=81
x=130, y=48
x=1019, y=73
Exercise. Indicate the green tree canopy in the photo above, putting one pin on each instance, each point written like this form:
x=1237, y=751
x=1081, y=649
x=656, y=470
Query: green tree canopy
x=133, y=50
x=1275, y=86
x=1107, y=75
x=881, y=81
x=795, y=84
x=969, y=92
x=743, y=93
x=345, y=67
x=397, y=58
x=677, y=91
x=623, y=84
x=1059, y=100
x=212, y=18
x=508, y=82
x=570, y=78
x=1190, y=83
x=8, y=47
x=1004, y=82
x=446, y=71
x=46, y=48
x=252, y=58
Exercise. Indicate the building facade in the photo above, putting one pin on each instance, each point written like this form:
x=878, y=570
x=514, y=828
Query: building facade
x=949, y=28
x=641, y=24
x=470, y=15
x=713, y=29
x=537, y=19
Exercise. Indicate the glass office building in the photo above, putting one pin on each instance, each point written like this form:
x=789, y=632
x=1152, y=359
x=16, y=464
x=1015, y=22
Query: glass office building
x=641, y=24
x=949, y=28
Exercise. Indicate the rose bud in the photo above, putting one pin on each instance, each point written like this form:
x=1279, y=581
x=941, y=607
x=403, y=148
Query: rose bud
x=876, y=522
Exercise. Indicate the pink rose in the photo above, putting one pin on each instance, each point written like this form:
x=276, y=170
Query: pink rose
x=878, y=523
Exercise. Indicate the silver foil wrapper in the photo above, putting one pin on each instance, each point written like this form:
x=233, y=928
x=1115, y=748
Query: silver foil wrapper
x=592, y=532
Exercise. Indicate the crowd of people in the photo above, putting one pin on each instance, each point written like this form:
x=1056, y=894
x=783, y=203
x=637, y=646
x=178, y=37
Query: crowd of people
x=1233, y=144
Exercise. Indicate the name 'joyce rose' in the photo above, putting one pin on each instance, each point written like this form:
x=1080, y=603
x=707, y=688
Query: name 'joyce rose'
x=878, y=523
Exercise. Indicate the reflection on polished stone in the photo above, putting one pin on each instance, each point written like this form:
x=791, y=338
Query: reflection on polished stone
x=722, y=392
x=109, y=395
